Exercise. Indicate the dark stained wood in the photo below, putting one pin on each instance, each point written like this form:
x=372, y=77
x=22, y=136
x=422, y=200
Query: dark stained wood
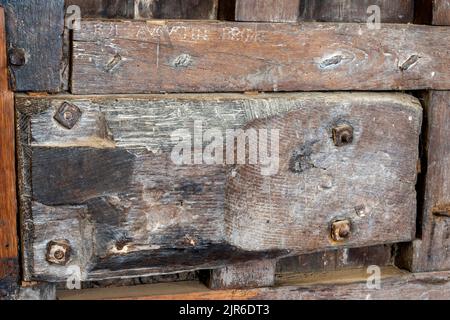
x=104, y=8
x=267, y=10
x=400, y=11
x=226, y=10
x=35, y=43
x=348, y=285
x=432, y=251
x=176, y=9
x=423, y=11
x=151, y=216
x=142, y=57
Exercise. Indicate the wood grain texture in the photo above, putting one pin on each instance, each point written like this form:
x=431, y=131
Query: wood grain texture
x=151, y=216
x=251, y=274
x=35, y=29
x=104, y=8
x=432, y=251
x=395, y=285
x=147, y=9
x=334, y=260
x=176, y=9
x=155, y=56
x=400, y=11
x=9, y=266
x=441, y=12
x=267, y=10
x=8, y=200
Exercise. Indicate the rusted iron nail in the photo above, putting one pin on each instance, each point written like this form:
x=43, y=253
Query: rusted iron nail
x=340, y=230
x=17, y=57
x=67, y=115
x=58, y=252
x=342, y=135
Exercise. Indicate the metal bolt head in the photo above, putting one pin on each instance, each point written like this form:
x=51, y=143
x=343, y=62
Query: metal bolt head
x=68, y=115
x=342, y=135
x=340, y=230
x=17, y=57
x=58, y=252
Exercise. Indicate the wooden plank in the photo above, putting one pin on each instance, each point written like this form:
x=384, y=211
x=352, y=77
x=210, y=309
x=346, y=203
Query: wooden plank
x=8, y=213
x=395, y=285
x=35, y=43
x=195, y=57
x=267, y=10
x=176, y=9
x=150, y=215
x=104, y=8
x=401, y=11
x=334, y=260
x=432, y=250
x=251, y=274
x=441, y=12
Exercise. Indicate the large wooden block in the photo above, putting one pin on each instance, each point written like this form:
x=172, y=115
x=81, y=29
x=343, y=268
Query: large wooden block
x=110, y=194
x=170, y=56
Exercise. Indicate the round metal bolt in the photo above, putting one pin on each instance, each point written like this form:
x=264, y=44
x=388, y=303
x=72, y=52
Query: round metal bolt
x=340, y=230
x=342, y=135
x=17, y=57
x=58, y=252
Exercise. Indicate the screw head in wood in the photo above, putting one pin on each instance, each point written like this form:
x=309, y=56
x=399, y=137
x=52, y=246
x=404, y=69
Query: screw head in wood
x=342, y=135
x=340, y=230
x=68, y=115
x=58, y=252
x=17, y=57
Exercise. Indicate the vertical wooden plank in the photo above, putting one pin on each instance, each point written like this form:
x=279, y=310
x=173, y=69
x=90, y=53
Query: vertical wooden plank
x=8, y=202
x=176, y=9
x=267, y=10
x=432, y=251
x=441, y=12
x=104, y=8
x=401, y=11
x=35, y=43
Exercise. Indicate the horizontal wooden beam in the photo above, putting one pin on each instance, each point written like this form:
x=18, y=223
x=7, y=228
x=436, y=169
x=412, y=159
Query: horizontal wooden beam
x=196, y=56
x=348, y=285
